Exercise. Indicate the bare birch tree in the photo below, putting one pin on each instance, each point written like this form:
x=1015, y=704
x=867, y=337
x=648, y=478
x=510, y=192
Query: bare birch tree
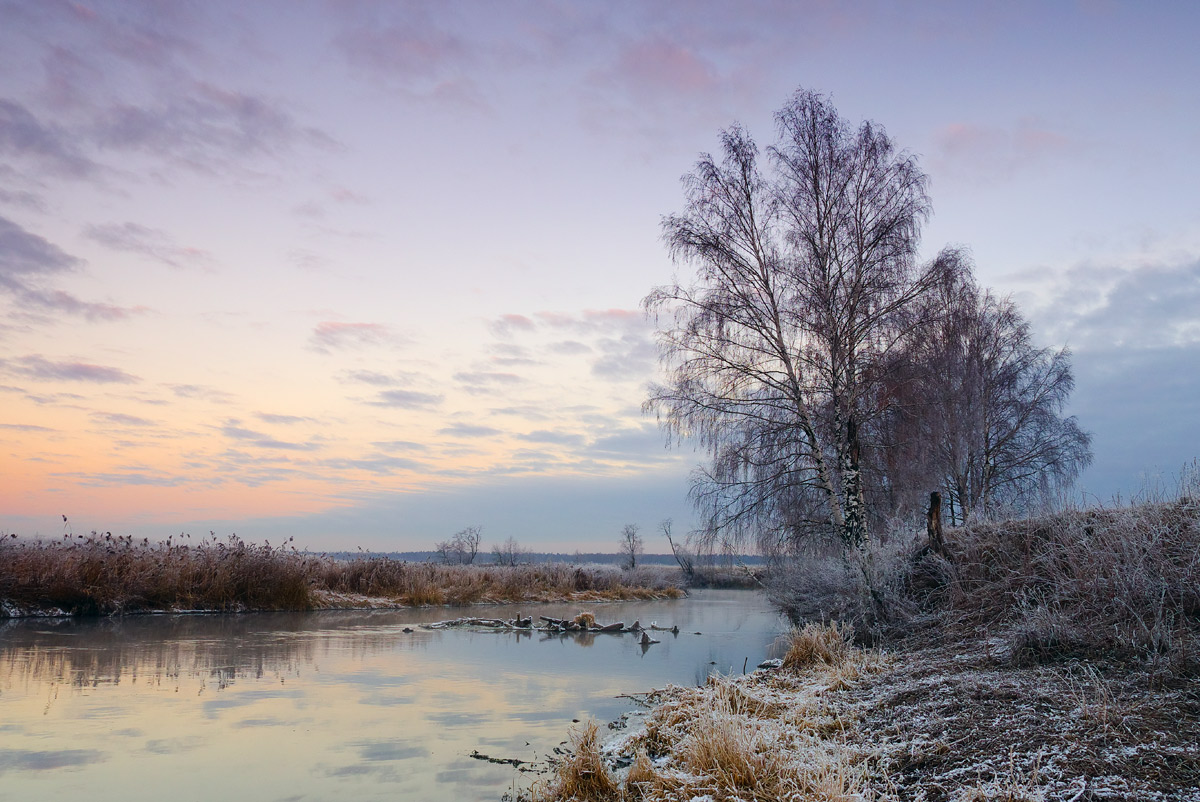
x=631, y=545
x=510, y=552
x=984, y=413
x=462, y=548
x=805, y=269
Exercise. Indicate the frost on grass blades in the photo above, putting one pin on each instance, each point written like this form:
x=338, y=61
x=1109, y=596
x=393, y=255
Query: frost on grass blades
x=1049, y=658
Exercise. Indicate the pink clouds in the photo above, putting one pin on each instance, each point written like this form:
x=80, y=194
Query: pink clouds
x=587, y=320
x=407, y=51
x=998, y=151
x=664, y=66
x=153, y=243
x=332, y=336
x=66, y=303
x=506, y=325
x=38, y=367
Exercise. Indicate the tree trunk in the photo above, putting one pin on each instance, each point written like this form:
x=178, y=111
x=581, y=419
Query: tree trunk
x=933, y=523
x=855, y=530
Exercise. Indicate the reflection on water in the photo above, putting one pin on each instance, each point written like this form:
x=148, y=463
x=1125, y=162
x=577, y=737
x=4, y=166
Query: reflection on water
x=312, y=706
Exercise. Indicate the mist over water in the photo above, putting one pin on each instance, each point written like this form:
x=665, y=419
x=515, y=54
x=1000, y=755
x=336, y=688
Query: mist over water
x=311, y=706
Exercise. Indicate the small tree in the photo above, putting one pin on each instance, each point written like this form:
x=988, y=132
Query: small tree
x=509, y=552
x=683, y=555
x=462, y=548
x=631, y=545
x=983, y=414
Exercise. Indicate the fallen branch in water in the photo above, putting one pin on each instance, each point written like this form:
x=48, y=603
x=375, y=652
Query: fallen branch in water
x=506, y=761
x=582, y=623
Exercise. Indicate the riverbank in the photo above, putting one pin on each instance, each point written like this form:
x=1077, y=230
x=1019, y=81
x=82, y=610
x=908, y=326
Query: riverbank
x=837, y=722
x=107, y=575
x=1048, y=659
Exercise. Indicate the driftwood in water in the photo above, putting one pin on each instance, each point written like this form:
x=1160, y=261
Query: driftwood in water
x=582, y=623
x=507, y=761
x=573, y=625
x=490, y=623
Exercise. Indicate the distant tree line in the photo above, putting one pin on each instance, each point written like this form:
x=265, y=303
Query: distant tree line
x=833, y=378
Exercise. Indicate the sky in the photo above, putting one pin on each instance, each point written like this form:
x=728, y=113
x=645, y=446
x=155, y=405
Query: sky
x=367, y=273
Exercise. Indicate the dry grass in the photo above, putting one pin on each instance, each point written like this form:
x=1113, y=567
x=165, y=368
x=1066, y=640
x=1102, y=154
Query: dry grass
x=103, y=575
x=766, y=737
x=1052, y=659
x=434, y=583
x=1101, y=583
x=1094, y=583
x=940, y=723
x=583, y=775
x=825, y=644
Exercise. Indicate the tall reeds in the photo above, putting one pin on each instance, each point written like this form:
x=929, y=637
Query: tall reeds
x=104, y=574
x=101, y=574
x=435, y=583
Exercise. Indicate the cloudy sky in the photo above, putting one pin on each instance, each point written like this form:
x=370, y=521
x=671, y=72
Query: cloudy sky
x=367, y=273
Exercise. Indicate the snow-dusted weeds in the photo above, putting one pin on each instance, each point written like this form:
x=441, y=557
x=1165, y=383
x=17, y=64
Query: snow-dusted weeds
x=840, y=723
x=955, y=723
x=771, y=735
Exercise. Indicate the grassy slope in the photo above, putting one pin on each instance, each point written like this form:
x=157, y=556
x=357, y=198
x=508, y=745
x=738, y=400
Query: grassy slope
x=1047, y=659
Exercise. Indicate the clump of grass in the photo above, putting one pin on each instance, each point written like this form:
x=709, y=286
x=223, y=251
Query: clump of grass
x=765, y=737
x=824, y=644
x=731, y=750
x=583, y=774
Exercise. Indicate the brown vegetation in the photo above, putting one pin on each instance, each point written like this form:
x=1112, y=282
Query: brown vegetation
x=768, y=736
x=431, y=583
x=1050, y=658
x=1099, y=583
x=104, y=574
x=935, y=723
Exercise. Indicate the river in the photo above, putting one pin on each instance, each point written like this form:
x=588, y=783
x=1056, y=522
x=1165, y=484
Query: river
x=332, y=705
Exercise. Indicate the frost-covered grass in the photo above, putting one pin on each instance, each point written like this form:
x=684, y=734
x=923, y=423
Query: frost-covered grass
x=961, y=722
x=1093, y=583
x=103, y=575
x=766, y=736
x=930, y=723
x=433, y=583
x=1051, y=659
x=1079, y=584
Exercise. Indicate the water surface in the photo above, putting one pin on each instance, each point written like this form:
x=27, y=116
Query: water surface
x=332, y=705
